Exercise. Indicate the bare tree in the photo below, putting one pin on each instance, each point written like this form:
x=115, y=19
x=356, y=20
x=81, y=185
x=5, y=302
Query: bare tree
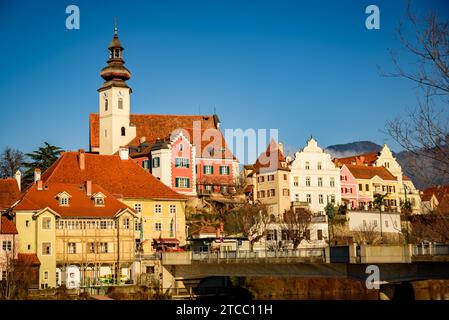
x=252, y=220
x=16, y=277
x=432, y=227
x=367, y=233
x=424, y=131
x=11, y=160
x=295, y=225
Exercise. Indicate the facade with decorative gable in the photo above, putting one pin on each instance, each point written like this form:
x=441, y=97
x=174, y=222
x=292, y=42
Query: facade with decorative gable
x=314, y=178
x=405, y=188
x=204, y=165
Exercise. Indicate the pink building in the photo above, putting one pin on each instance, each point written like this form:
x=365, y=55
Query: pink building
x=349, y=189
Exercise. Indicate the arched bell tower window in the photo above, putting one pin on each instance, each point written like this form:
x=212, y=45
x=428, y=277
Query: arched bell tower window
x=106, y=104
x=123, y=131
x=120, y=103
x=116, y=53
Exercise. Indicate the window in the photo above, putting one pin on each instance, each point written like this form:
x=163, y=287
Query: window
x=4, y=275
x=262, y=194
x=71, y=247
x=7, y=245
x=285, y=176
x=332, y=182
x=270, y=177
x=196, y=169
x=46, y=223
x=360, y=187
x=158, y=226
x=173, y=208
x=181, y=147
x=123, y=131
x=271, y=235
x=149, y=269
x=224, y=170
x=320, y=199
x=137, y=225
x=27, y=223
x=295, y=181
x=261, y=179
x=126, y=223
x=156, y=162
x=46, y=248
x=307, y=235
x=319, y=234
x=320, y=181
x=45, y=275
x=99, y=201
x=105, y=104
x=182, y=182
x=367, y=187
x=309, y=198
x=102, y=247
x=63, y=201
x=181, y=162
x=208, y=169
x=103, y=224
x=91, y=247
x=308, y=181
x=332, y=198
x=120, y=103
x=138, y=207
x=319, y=166
x=307, y=165
x=285, y=192
x=296, y=197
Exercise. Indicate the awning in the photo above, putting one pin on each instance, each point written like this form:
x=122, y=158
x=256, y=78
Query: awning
x=166, y=240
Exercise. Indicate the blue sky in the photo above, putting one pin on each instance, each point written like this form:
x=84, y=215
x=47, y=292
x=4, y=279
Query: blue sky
x=302, y=67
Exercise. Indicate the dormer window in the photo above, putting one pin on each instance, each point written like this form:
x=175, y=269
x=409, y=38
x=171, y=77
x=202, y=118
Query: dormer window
x=63, y=198
x=99, y=199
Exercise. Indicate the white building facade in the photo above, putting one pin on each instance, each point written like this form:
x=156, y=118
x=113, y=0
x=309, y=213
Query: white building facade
x=315, y=178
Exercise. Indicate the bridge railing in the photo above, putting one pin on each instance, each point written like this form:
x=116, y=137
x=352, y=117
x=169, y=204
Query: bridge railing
x=256, y=254
x=433, y=249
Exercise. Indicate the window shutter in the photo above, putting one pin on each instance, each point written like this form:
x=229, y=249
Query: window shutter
x=188, y=183
x=204, y=169
x=212, y=169
x=177, y=182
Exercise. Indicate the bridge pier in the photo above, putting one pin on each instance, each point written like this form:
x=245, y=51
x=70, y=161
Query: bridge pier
x=402, y=291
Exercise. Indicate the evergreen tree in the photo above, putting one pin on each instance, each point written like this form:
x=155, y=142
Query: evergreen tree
x=42, y=158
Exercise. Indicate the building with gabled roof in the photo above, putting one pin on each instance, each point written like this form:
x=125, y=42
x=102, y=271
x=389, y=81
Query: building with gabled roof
x=77, y=232
x=200, y=161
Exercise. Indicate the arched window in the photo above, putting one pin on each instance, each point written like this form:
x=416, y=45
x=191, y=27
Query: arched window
x=123, y=132
x=120, y=103
x=106, y=104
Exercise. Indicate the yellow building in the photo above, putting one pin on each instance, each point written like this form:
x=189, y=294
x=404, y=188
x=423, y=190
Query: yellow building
x=80, y=233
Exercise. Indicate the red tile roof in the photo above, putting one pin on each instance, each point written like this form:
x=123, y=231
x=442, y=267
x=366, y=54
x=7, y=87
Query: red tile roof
x=265, y=163
x=158, y=126
x=439, y=191
x=29, y=259
x=361, y=159
x=80, y=204
x=122, y=178
x=9, y=193
x=368, y=172
x=7, y=226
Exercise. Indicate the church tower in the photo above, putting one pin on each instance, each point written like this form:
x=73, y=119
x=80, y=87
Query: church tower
x=114, y=99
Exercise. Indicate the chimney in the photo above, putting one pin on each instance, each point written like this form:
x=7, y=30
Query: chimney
x=124, y=153
x=18, y=177
x=82, y=159
x=37, y=174
x=88, y=186
x=39, y=185
x=281, y=147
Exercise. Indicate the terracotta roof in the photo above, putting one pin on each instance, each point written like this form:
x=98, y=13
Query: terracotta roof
x=406, y=178
x=80, y=204
x=368, y=172
x=361, y=159
x=439, y=191
x=9, y=193
x=7, y=226
x=158, y=126
x=28, y=258
x=122, y=178
x=264, y=162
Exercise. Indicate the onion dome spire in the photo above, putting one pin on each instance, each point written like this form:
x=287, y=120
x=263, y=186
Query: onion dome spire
x=115, y=73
